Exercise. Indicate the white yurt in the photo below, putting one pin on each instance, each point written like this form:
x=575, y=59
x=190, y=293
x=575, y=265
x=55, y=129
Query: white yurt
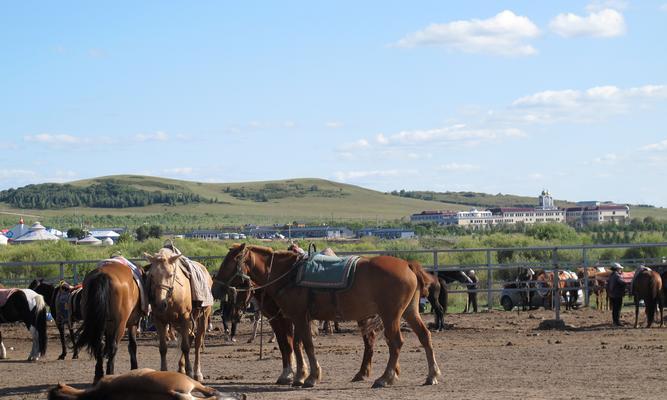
x=37, y=233
x=89, y=240
x=104, y=234
x=107, y=242
x=3, y=240
x=17, y=230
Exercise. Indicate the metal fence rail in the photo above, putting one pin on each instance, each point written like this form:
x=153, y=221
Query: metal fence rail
x=489, y=268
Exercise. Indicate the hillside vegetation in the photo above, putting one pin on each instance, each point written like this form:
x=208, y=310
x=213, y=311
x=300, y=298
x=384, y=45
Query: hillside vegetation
x=474, y=199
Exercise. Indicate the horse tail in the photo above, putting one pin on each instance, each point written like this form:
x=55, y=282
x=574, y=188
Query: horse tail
x=95, y=312
x=40, y=323
x=419, y=272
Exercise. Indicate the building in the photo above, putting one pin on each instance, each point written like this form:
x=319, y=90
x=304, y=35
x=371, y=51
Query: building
x=586, y=213
x=387, y=233
x=598, y=214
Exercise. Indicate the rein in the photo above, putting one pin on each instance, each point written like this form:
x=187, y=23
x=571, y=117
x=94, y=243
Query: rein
x=240, y=273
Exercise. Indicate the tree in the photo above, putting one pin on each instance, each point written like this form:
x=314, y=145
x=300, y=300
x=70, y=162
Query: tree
x=142, y=233
x=76, y=233
x=125, y=237
x=155, y=231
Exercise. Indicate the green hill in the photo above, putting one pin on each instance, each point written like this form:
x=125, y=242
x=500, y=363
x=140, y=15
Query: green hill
x=216, y=204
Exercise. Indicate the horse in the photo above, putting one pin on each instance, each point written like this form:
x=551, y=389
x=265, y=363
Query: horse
x=171, y=297
x=111, y=304
x=141, y=384
x=568, y=285
x=59, y=298
x=597, y=282
x=647, y=286
x=26, y=306
x=375, y=277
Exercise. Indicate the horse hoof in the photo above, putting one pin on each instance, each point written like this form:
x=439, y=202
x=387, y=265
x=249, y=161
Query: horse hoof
x=61, y=357
x=75, y=357
x=308, y=384
x=358, y=378
x=431, y=381
x=284, y=381
x=379, y=385
x=199, y=378
x=297, y=384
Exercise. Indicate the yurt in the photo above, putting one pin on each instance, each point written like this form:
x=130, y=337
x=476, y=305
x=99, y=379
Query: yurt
x=107, y=242
x=3, y=240
x=89, y=240
x=17, y=230
x=37, y=233
x=104, y=234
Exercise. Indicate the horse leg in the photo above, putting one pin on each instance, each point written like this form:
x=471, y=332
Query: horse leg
x=184, y=365
x=34, y=353
x=3, y=350
x=392, y=333
x=99, y=362
x=369, y=342
x=636, y=310
x=75, y=348
x=132, y=346
x=301, y=368
x=199, y=343
x=111, y=347
x=413, y=318
x=437, y=309
x=61, y=333
x=282, y=329
x=649, y=310
x=303, y=332
x=162, y=337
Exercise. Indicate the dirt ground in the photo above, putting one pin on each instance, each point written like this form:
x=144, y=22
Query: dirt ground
x=490, y=355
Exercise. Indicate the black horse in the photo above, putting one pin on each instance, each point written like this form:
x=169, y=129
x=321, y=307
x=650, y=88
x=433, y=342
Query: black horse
x=65, y=304
x=438, y=296
x=25, y=305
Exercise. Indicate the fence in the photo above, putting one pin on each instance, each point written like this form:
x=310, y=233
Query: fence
x=496, y=268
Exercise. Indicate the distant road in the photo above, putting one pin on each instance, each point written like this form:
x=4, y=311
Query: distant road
x=20, y=214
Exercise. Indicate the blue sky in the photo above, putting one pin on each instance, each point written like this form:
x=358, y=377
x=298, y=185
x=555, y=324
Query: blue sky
x=508, y=97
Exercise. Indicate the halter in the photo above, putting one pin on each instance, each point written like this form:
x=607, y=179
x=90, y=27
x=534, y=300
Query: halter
x=169, y=288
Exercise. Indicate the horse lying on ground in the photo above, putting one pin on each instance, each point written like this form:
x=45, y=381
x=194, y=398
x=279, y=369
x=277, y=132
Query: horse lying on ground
x=647, y=286
x=111, y=303
x=65, y=304
x=26, y=306
x=142, y=384
x=245, y=266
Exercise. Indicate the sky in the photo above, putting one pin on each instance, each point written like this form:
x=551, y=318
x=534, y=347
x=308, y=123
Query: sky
x=498, y=97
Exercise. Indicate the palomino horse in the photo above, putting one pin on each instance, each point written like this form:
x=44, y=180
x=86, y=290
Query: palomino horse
x=26, y=306
x=111, y=304
x=65, y=304
x=367, y=297
x=170, y=294
x=142, y=384
x=647, y=286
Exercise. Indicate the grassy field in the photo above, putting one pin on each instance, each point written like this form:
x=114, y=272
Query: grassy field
x=354, y=204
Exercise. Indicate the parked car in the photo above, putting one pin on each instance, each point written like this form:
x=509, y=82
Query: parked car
x=510, y=297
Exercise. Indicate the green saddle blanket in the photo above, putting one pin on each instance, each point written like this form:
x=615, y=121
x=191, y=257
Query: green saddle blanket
x=327, y=272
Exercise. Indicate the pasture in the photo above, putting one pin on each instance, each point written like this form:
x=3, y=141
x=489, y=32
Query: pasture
x=490, y=355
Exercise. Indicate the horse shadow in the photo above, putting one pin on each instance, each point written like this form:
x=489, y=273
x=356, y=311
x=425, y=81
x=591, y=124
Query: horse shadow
x=32, y=389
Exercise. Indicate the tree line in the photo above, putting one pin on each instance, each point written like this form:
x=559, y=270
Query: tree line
x=107, y=194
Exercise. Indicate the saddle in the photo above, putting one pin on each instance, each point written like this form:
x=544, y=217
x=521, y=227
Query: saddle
x=326, y=272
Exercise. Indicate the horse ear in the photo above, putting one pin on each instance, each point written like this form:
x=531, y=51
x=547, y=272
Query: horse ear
x=173, y=259
x=241, y=246
x=149, y=257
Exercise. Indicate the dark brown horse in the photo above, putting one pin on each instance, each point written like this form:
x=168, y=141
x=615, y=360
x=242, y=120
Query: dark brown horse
x=111, y=305
x=64, y=302
x=647, y=286
x=367, y=297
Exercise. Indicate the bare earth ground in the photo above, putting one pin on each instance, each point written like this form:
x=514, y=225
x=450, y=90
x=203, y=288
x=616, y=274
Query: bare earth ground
x=491, y=355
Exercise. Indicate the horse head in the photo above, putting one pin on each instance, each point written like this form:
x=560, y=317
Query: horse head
x=232, y=282
x=162, y=277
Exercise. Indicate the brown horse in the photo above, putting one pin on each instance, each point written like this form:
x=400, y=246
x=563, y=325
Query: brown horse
x=647, y=286
x=367, y=297
x=170, y=294
x=111, y=305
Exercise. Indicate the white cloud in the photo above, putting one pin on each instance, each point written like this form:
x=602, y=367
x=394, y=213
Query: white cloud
x=356, y=145
x=17, y=174
x=504, y=34
x=663, y=7
x=599, y=5
x=456, y=167
x=158, y=136
x=53, y=138
x=179, y=171
x=333, y=124
x=609, y=158
x=602, y=23
x=450, y=134
x=593, y=104
x=344, y=176
x=660, y=146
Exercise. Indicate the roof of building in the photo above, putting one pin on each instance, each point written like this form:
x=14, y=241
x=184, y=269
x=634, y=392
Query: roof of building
x=37, y=233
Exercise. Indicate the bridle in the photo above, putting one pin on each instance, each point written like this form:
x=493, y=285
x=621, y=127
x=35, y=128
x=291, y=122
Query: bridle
x=168, y=288
x=243, y=272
